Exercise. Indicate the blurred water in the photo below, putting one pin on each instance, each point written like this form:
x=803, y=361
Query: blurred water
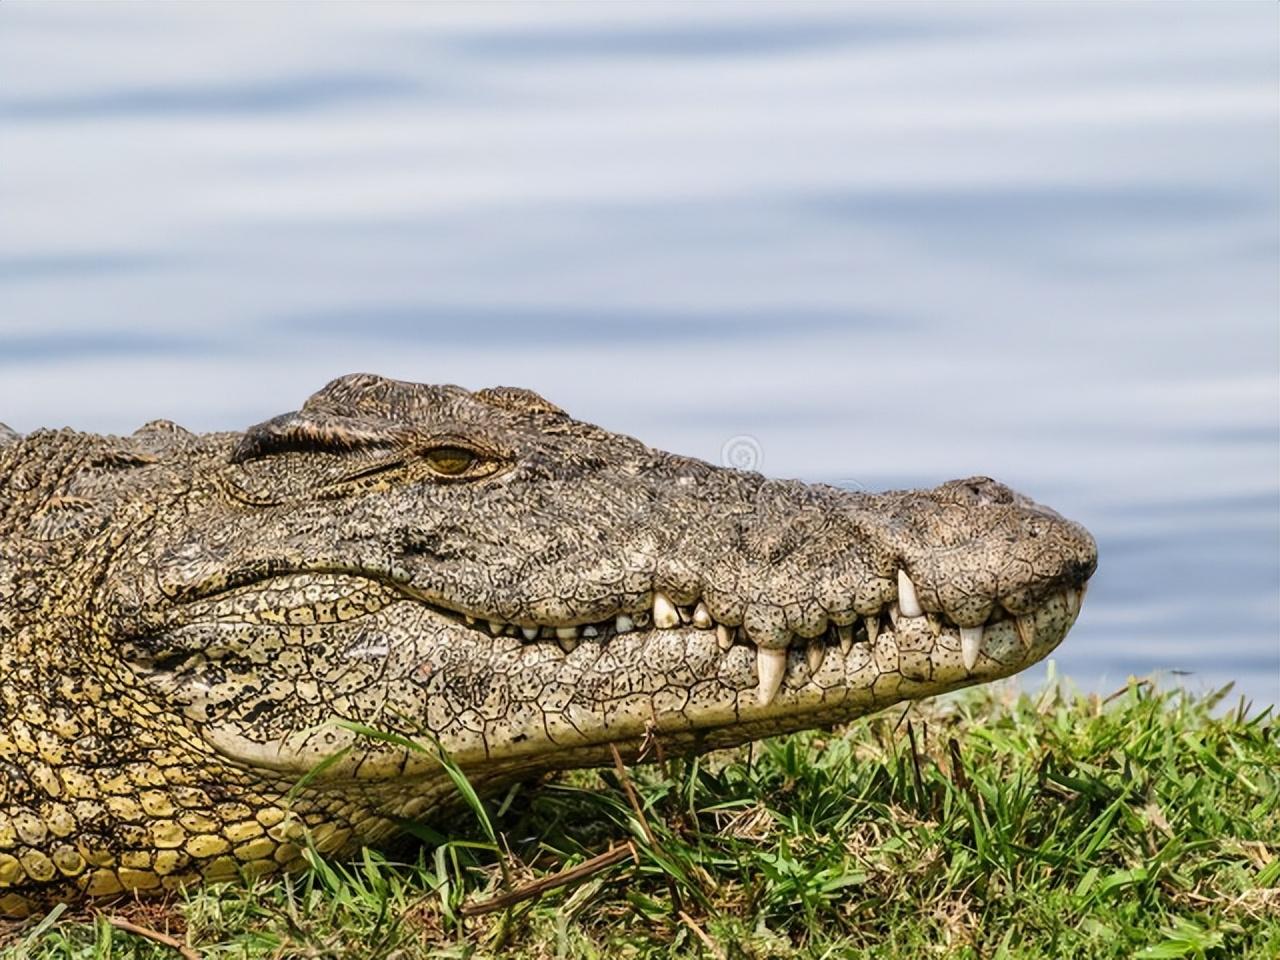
x=892, y=244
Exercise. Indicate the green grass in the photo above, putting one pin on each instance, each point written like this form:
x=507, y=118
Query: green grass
x=1055, y=825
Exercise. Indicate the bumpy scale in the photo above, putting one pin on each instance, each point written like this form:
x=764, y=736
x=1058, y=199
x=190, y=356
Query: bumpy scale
x=190, y=624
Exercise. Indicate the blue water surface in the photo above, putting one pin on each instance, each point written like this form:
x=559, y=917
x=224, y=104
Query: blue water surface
x=889, y=244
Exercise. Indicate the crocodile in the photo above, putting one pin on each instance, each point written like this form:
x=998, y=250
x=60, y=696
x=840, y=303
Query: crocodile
x=200, y=633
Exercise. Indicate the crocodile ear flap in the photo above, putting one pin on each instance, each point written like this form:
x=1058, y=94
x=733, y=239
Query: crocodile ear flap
x=303, y=432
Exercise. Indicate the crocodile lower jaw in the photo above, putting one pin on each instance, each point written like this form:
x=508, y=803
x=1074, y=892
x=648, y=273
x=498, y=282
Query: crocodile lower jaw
x=725, y=696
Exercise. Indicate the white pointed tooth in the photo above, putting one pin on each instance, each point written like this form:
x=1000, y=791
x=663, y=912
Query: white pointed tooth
x=908, y=603
x=590, y=631
x=970, y=645
x=724, y=636
x=686, y=614
x=935, y=624
x=814, y=654
x=1026, y=627
x=894, y=613
x=496, y=627
x=702, y=617
x=471, y=621
x=567, y=643
x=665, y=614
x=566, y=633
x=624, y=624
x=770, y=666
x=530, y=633
x=845, y=632
x=873, y=627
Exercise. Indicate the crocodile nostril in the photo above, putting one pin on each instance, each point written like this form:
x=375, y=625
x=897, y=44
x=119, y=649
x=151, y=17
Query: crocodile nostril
x=978, y=488
x=978, y=491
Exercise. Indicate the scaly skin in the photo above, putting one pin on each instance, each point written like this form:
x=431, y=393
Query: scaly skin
x=188, y=624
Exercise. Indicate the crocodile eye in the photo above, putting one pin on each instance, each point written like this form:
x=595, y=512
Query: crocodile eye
x=450, y=461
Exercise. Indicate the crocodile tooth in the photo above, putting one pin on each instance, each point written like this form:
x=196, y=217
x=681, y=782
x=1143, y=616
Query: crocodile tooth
x=568, y=641
x=724, y=636
x=935, y=624
x=624, y=624
x=530, y=633
x=814, y=654
x=908, y=602
x=471, y=621
x=590, y=631
x=664, y=612
x=496, y=627
x=970, y=645
x=1026, y=627
x=686, y=614
x=702, y=617
x=845, y=632
x=894, y=614
x=642, y=618
x=873, y=627
x=770, y=666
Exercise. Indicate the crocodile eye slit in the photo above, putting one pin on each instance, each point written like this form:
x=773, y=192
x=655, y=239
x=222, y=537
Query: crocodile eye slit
x=450, y=461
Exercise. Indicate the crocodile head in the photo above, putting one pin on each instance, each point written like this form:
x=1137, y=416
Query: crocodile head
x=526, y=589
x=473, y=572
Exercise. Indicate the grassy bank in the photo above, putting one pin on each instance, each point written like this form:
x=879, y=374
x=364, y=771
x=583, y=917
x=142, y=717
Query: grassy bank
x=1053, y=825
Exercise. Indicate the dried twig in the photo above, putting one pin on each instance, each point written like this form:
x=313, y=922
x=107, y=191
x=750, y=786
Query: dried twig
x=540, y=886
x=1143, y=683
x=128, y=926
x=702, y=935
x=676, y=903
x=915, y=769
x=630, y=791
